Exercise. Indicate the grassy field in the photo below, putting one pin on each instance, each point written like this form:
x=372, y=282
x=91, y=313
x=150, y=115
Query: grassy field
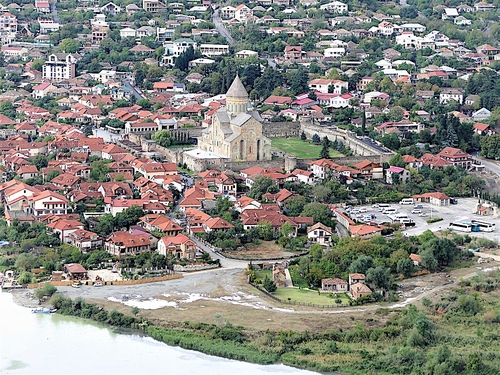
x=261, y=274
x=300, y=149
x=309, y=296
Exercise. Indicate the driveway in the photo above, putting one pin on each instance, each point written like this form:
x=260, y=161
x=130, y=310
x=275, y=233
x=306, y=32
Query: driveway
x=221, y=29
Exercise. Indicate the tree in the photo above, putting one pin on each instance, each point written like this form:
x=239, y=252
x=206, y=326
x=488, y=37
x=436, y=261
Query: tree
x=47, y=290
x=265, y=230
x=25, y=262
x=135, y=310
x=286, y=229
x=303, y=136
x=52, y=174
x=397, y=161
x=269, y=285
x=378, y=277
x=361, y=265
x=163, y=138
x=316, y=139
x=261, y=185
x=298, y=81
x=25, y=278
x=295, y=205
x=40, y=161
x=324, y=153
x=428, y=260
x=319, y=212
x=405, y=267
x=69, y=45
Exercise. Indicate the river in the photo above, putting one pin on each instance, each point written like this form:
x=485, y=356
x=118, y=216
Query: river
x=55, y=344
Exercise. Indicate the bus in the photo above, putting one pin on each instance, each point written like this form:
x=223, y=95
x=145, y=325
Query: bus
x=484, y=226
x=464, y=227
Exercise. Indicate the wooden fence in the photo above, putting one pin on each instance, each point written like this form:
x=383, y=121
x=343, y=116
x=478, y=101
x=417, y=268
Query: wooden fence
x=105, y=283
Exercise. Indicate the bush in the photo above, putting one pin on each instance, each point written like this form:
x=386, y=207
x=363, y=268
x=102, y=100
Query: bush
x=269, y=285
x=47, y=290
x=434, y=220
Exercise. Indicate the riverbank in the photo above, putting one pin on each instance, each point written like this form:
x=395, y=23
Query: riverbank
x=218, y=313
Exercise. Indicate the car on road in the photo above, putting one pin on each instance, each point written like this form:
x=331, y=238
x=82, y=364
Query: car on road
x=416, y=211
x=422, y=214
x=354, y=212
x=363, y=210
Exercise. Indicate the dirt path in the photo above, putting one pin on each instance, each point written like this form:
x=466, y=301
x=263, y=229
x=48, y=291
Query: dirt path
x=223, y=295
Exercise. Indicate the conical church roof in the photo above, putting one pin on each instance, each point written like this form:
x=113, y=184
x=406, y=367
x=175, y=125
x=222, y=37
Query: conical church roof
x=237, y=90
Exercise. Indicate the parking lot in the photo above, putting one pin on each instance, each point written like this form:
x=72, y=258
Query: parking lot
x=463, y=211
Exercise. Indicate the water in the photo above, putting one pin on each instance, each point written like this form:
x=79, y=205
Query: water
x=54, y=344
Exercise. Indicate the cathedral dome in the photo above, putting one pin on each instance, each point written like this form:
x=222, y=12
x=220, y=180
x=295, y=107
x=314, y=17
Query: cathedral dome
x=237, y=90
x=236, y=98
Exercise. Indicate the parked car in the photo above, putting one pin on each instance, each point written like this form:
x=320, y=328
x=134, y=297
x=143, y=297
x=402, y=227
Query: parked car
x=354, y=212
x=98, y=284
x=422, y=214
x=416, y=211
x=363, y=210
x=453, y=201
x=418, y=206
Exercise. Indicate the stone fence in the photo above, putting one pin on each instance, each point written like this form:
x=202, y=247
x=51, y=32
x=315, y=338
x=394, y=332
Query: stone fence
x=194, y=267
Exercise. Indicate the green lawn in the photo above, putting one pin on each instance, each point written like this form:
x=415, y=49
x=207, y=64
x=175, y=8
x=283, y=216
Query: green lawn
x=261, y=275
x=300, y=149
x=309, y=296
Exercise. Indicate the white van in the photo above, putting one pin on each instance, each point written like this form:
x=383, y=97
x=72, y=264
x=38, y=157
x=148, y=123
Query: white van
x=390, y=211
x=401, y=216
x=406, y=201
x=383, y=206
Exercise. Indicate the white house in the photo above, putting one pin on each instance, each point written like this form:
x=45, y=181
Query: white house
x=320, y=233
x=334, y=52
x=449, y=94
x=449, y=13
x=414, y=27
x=335, y=7
x=323, y=85
x=128, y=32
x=481, y=114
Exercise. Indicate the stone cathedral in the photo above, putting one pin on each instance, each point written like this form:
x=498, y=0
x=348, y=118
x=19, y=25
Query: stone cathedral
x=235, y=131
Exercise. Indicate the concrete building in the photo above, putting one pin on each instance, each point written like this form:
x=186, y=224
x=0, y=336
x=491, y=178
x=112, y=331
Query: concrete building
x=59, y=66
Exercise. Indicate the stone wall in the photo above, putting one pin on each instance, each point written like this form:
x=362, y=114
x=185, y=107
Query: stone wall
x=281, y=129
x=349, y=138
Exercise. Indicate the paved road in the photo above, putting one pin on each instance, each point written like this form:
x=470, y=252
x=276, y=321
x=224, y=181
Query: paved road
x=221, y=29
x=135, y=91
x=225, y=262
x=492, y=165
x=55, y=16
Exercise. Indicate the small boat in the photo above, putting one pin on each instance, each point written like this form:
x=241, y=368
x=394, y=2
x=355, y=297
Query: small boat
x=76, y=285
x=43, y=310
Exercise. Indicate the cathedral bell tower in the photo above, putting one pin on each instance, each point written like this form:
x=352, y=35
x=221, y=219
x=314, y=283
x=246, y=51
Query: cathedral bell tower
x=236, y=98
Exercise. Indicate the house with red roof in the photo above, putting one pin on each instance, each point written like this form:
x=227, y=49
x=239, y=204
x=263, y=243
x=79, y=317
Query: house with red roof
x=483, y=129
x=75, y=271
x=456, y=157
x=365, y=231
x=84, y=240
x=370, y=170
x=216, y=224
x=278, y=100
x=27, y=171
x=159, y=222
x=412, y=161
x=64, y=227
x=121, y=244
x=47, y=202
x=320, y=233
x=434, y=161
x=179, y=247
x=322, y=168
x=436, y=199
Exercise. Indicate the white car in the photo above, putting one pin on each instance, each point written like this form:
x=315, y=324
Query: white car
x=422, y=214
x=354, y=212
x=416, y=211
x=363, y=210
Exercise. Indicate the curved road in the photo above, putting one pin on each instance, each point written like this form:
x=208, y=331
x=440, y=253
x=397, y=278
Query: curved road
x=53, y=9
x=138, y=95
x=221, y=29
